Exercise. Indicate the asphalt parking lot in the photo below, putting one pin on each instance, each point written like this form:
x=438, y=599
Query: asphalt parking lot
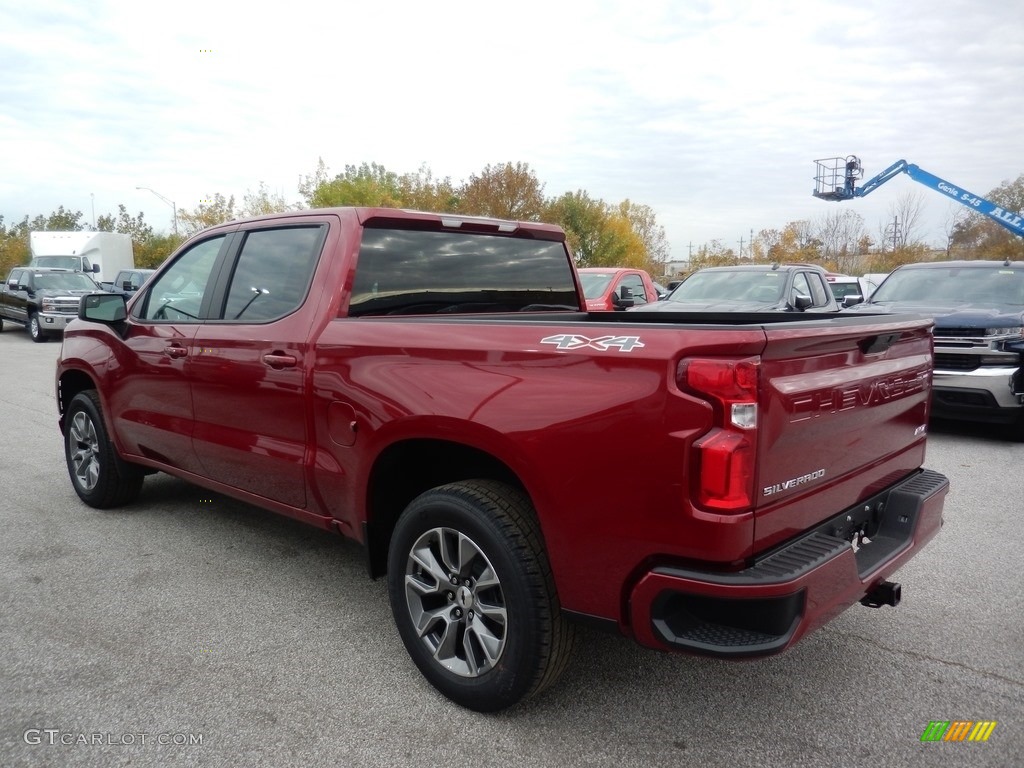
x=190, y=629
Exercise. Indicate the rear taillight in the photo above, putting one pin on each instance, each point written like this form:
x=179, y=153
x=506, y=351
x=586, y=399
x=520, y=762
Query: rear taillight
x=723, y=478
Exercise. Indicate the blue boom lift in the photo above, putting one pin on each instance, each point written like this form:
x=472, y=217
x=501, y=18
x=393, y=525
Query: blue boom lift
x=838, y=178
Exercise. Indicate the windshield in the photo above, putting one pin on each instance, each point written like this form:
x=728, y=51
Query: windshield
x=739, y=285
x=594, y=283
x=58, y=262
x=64, y=281
x=954, y=285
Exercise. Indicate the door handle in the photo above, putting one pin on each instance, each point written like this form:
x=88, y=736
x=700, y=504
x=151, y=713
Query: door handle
x=278, y=360
x=175, y=351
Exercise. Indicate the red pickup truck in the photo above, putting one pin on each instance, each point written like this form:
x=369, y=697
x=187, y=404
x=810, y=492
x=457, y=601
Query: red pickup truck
x=432, y=387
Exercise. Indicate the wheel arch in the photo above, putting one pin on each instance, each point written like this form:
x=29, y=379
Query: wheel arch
x=406, y=469
x=69, y=384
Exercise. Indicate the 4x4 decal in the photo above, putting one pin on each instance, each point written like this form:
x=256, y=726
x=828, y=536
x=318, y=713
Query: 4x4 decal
x=603, y=343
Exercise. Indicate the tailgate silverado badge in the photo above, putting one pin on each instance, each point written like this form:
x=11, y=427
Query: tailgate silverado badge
x=603, y=343
x=793, y=482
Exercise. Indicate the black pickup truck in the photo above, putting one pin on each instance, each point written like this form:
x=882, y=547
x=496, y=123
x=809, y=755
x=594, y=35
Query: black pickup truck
x=43, y=300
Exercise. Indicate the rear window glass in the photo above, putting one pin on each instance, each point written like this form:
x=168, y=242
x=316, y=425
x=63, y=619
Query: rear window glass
x=403, y=272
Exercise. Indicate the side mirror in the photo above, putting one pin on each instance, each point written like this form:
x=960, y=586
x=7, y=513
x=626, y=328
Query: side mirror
x=852, y=298
x=801, y=302
x=623, y=298
x=107, y=308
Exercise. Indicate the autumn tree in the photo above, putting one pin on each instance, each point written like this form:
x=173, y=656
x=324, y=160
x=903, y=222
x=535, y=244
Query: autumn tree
x=14, y=249
x=888, y=260
x=263, y=201
x=509, y=191
x=713, y=254
x=582, y=219
x=979, y=237
x=421, y=192
x=210, y=212
x=153, y=251
x=644, y=224
x=619, y=245
x=795, y=242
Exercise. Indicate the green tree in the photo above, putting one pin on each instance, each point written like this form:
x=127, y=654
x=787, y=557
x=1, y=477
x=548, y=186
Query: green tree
x=58, y=221
x=134, y=226
x=308, y=185
x=369, y=184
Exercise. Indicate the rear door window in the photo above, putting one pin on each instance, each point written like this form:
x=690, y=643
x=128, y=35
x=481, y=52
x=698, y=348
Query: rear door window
x=272, y=273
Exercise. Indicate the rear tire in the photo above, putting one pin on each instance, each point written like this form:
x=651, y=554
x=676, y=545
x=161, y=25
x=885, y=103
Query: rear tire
x=35, y=330
x=99, y=476
x=473, y=595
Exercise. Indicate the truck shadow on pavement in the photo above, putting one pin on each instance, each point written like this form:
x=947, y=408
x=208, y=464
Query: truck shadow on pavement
x=1006, y=433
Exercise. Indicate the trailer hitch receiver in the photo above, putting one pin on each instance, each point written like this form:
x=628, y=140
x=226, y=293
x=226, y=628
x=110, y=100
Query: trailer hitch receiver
x=886, y=593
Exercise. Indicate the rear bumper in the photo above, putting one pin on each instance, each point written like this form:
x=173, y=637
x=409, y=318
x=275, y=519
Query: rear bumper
x=792, y=590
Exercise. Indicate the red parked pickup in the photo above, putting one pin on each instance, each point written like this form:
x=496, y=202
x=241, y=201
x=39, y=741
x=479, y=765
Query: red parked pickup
x=431, y=386
x=612, y=288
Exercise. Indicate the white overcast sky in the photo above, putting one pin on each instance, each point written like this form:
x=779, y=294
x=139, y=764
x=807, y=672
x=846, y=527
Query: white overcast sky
x=711, y=113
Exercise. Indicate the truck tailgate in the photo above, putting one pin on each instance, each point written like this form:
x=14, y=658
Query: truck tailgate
x=843, y=414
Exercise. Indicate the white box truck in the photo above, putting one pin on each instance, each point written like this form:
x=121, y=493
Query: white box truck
x=101, y=254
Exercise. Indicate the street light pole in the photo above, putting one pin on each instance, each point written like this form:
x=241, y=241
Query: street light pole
x=169, y=202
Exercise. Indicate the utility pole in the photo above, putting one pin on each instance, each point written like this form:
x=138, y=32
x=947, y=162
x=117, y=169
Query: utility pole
x=895, y=229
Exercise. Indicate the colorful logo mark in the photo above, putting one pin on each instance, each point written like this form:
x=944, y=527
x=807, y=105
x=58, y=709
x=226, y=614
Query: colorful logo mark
x=958, y=730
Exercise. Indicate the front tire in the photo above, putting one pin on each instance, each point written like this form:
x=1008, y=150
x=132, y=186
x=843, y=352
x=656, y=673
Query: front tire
x=35, y=330
x=99, y=476
x=473, y=595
